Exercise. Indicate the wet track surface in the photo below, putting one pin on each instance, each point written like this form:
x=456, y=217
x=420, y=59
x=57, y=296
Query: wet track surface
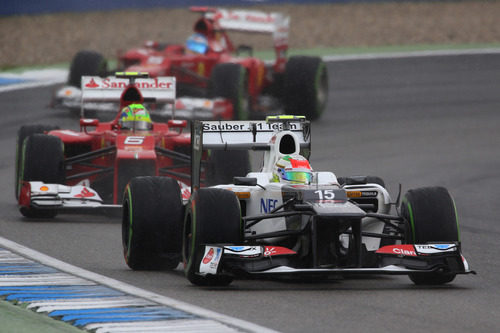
x=414, y=121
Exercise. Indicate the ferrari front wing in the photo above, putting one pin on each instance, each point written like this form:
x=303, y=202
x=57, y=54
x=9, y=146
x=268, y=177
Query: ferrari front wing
x=41, y=195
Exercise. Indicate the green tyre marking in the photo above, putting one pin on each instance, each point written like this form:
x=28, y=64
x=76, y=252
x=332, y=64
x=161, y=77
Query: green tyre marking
x=412, y=222
x=456, y=218
x=317, y=80
x=130, y=220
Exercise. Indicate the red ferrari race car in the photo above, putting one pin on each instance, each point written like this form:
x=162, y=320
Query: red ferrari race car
x=65, y=169
x=214, y=79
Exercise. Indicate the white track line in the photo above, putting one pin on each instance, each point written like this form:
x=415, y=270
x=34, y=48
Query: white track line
x=411, y=54
x=129, y=289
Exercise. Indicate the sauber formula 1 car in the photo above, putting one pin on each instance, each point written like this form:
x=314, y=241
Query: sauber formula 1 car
x=214, y=78
x=257, y=227
x=65, y=169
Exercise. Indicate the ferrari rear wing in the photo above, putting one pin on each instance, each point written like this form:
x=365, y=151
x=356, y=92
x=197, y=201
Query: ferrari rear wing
x=276, y=24
x=273, y=23
x=110, y=89
x=242, y=135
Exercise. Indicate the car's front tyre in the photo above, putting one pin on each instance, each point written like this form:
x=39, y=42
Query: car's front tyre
x=213, y=216
x=431, y=216
x=152, y=223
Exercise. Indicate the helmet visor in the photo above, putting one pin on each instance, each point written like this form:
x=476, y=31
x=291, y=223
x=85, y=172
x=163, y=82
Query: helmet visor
x=301, y=177
x=196, y=45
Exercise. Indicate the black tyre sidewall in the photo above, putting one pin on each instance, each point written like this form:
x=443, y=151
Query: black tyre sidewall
x=230, y=81
x=86, y=63
x=213, y=216
x=42, y=159
x=306, y=78
x=431, y=215
x=22, y=134
x=152, y=223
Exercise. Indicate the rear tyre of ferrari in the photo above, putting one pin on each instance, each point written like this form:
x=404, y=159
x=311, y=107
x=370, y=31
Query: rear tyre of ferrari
x=22, y=134
x=305, y=86
x=213, y=216
x=230, y=81
x=86, y=63
x=152, y=223
x=224, y=165
x=431, y=215
x=42, y=159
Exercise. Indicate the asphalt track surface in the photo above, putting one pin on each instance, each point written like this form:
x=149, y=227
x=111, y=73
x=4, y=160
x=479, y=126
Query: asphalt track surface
x=415, y=121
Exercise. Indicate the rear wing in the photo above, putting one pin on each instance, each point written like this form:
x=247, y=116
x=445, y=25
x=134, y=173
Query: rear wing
x=110, y=89
x=242, y=135
x=273, y=23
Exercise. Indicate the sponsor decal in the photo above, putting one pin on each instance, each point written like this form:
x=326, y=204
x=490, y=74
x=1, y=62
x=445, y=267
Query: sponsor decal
x=399, y=250
x=243, y=251
x=277, y=251
x=208, y=257
x=221, y=126
x=210, y=260
x=435, y=248
x=267, y=205
x=112, y=83
x=92, y=84
x=85, y=193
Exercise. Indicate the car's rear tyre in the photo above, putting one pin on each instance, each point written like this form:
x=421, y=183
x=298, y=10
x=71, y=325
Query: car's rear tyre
x=230, y=81
x=86, y=63
x=305, y=86
x=224, y=165
x=152, y=223
x=24, y=132
x=431, y=216
x=213, y=216
x=42, y=159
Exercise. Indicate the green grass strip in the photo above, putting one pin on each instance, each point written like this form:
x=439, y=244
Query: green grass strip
x=21, y=320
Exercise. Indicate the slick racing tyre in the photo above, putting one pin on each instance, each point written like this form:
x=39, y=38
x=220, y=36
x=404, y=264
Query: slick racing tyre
x=42, y=159
x=152, y=223
x=22, y=134
x=305, y=87
x=213, y=216
x=224, y=165
x=431, y=214
x=230, y=81
x=86, y=63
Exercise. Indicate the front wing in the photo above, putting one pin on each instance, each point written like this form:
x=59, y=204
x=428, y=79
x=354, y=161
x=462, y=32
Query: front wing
x=262, y=261
x=41, y=195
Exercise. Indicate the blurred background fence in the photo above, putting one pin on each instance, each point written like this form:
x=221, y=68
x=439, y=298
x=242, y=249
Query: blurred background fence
x=51, y=31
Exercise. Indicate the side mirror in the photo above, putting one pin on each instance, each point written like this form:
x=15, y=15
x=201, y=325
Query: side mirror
x=180, y=124
x=248, y=181
x=84, y=122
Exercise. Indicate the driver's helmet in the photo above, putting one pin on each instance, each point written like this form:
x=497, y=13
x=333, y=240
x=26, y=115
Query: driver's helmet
x=197, y=43
x=292, y=169
x=135, y=117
